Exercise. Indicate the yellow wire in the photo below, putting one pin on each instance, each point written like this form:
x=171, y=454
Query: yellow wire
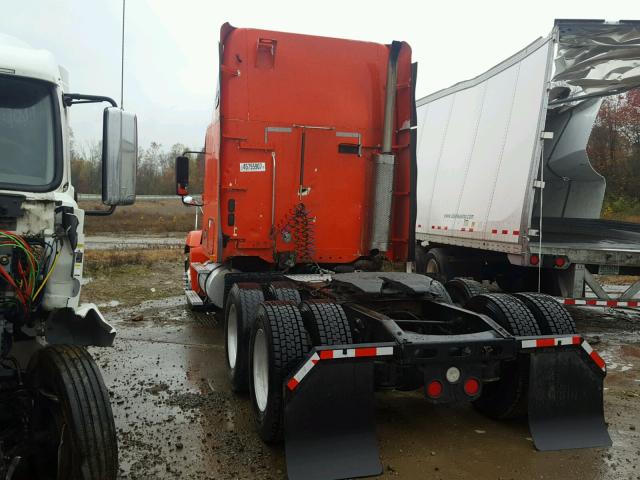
x=53, y=266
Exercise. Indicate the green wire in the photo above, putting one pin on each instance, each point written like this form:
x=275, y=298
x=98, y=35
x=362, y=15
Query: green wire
x=35, y=265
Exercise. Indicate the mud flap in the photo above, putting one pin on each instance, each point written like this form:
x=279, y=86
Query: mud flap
x=328, y=423
x=565, y=400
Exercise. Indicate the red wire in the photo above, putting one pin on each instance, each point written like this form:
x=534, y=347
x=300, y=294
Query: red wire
x=23, y=293
x=4, y=273
x=25, y=284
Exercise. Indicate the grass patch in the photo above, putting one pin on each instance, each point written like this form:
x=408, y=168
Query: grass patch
x=623, y=209
x=158, y=216
x=132, y=276
x=101, y=260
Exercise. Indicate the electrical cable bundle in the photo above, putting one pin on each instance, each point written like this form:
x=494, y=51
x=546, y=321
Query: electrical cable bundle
x=29, y=273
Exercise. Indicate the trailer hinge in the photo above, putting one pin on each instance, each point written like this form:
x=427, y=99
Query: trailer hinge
x=546, y=135
x=538, y=184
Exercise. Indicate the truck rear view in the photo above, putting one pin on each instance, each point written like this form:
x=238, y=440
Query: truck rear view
x=309, y=195
x=302, y=117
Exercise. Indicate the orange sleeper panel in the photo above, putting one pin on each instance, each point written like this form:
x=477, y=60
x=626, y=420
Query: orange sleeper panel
x=297, y=121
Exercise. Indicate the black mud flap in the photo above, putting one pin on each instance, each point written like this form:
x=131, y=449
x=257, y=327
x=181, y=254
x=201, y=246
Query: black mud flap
x=328, y=423
x=565, y=400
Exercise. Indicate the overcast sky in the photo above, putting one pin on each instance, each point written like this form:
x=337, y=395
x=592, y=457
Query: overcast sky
x=171, y=45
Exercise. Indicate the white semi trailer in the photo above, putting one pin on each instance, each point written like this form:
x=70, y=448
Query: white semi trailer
x=55, y=415
x=485, y=207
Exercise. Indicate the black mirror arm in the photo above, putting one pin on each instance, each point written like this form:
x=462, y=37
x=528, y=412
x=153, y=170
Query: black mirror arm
x=100, y=213
x=80, y=98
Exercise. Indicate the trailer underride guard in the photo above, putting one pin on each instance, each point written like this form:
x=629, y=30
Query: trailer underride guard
x=304, y=211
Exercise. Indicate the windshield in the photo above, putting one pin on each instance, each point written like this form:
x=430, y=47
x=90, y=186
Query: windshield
x=27, y=135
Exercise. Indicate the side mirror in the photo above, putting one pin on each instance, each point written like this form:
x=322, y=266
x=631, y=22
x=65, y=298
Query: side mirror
x=182, y=175
x=119, y=157
x=191, y=202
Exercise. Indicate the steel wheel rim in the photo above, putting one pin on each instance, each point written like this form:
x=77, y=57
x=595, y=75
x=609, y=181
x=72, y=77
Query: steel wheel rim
x=432, y=266
x=260, y=369
x=232, y=336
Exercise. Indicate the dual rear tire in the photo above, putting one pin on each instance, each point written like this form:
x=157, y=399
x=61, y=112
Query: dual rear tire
x=280, y=338
x=521, y=315
x=266, y=339
x=240, y=311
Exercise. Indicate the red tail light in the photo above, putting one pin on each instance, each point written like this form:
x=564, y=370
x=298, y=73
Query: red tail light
x=559, y=262
x=471, y=387
x=534, y=259
x=434, y=389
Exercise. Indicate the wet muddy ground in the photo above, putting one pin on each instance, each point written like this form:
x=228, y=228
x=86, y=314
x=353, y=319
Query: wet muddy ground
x=177, y=418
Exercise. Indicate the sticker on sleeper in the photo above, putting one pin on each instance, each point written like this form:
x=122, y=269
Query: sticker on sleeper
x=253, y=167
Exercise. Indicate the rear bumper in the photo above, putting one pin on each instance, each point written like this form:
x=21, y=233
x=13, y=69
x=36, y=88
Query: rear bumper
x=329, y=411
x=443, y=353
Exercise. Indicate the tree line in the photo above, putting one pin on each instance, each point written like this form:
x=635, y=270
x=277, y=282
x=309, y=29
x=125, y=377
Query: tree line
x=156, y=169
x=614, y=152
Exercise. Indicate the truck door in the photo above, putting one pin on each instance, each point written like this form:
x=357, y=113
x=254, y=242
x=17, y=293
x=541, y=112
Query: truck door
x=332, y=184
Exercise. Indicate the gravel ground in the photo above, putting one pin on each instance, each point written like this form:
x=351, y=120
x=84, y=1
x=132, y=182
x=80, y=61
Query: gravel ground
x=177, y=418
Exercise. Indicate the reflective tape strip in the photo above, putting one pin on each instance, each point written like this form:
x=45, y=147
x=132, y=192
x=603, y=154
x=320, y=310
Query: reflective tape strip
x=304, y=369
x=594, y=302
x=594, y=356
x=504, y=231
x=565, y=341
x=362, y=352
x=494, y=231
x=551, y=342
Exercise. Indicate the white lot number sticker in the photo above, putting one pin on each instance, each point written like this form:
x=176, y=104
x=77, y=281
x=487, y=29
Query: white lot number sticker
x=253, y=167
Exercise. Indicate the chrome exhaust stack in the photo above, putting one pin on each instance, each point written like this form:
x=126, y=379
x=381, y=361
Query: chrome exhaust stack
x=384, y=162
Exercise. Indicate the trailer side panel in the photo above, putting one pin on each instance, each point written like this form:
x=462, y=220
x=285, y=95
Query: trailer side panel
x=477, y=144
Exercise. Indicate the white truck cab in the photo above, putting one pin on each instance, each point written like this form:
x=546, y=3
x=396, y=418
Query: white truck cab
x=43, y=326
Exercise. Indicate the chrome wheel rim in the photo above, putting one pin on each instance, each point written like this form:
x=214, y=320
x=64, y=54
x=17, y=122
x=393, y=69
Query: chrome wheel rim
x=232, y=336
x=260, y=369
x=432, y=266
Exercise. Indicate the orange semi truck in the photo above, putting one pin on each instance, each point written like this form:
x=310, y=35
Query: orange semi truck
x=309, y=197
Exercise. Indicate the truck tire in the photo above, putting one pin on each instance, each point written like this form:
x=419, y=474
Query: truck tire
x=439, y=291
x=278, y=342
x=326, y=322
x=552, y=317
x=462, y=290
x=436, y=265
x=421, y=259
x=72, y=425
x=239, y=314
x=507, y=397
x=284, y=291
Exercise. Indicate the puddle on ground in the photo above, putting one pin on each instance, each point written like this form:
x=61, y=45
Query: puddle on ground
x=177, y=417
